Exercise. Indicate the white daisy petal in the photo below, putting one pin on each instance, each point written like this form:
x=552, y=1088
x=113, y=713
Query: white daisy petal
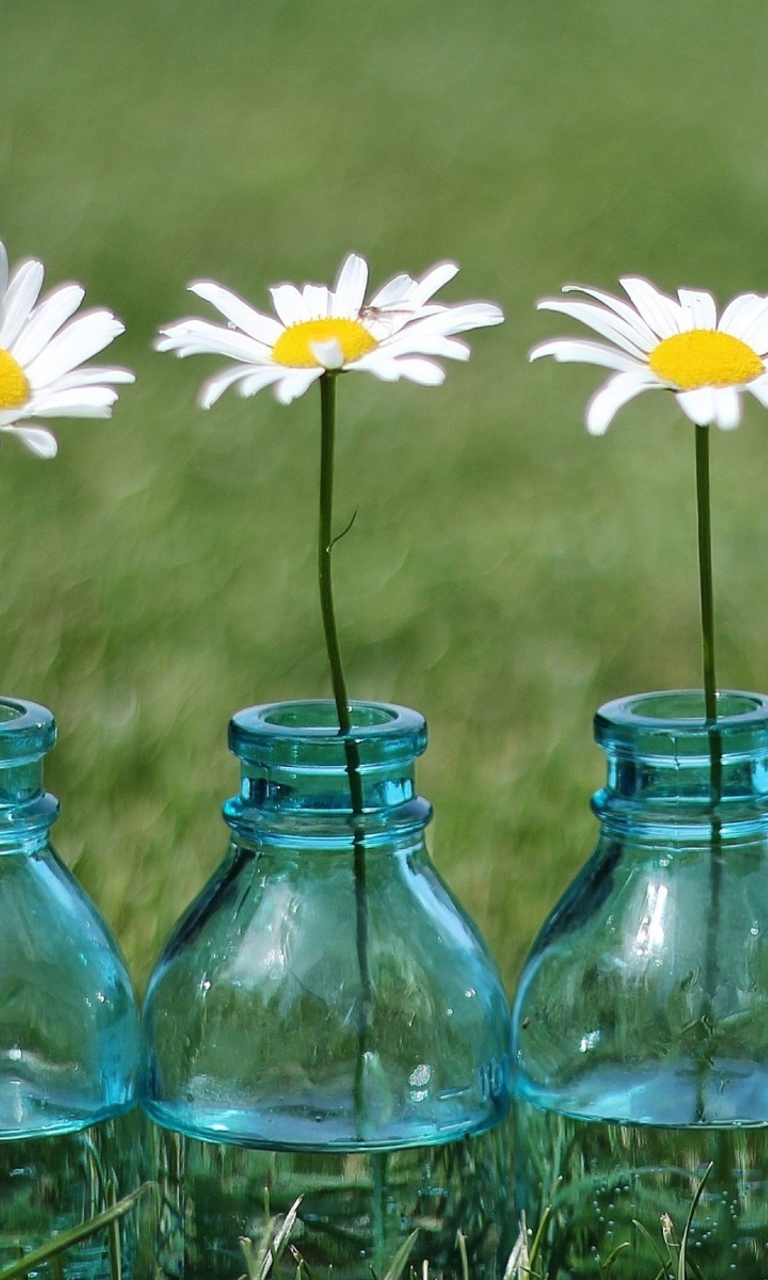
x=214, y=388
x=428, y=344
x=603, y=322
x=759, y=389
x=89, y=376
x=289, y=304
x=380, y=364
x=397, y=328
x=741, y=312
x=21, y=296
x=756, y=334
x=258, y=379
x=391, y=367
x=435, y=279
x=580, y=351
x=699, y=405
x=294, y=383
x=39, y=441
x=349, y=293
x=77, y=409
x=727, y=408
x=3, y=272
x=613, y=394
x=77, y=402
x=77, y=341
x=262, y=328
x=645, y=338
x=200, y=337
x=416, y=369
x=472, y=315
x=451, y=320
x=700, y=306
x=450, y=348
x=662, y=314
x=329, y=354
x=318, y=300
x=45, y=320
x=383, y=326
x=394, y=292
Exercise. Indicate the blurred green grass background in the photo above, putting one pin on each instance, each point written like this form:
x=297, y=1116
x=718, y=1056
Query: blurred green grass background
x=506, y=573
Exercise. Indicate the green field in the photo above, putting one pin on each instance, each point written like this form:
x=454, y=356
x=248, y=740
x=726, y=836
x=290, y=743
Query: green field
x=506, y=572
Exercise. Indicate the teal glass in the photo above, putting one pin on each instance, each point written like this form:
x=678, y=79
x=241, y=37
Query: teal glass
x=252, y=1017
x=68, y=1021
x=640, y=1028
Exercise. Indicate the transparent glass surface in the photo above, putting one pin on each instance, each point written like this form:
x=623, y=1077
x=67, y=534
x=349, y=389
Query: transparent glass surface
x=68, y=1021
x=640, y=1029
x=251, y=1015
x=251, y=1025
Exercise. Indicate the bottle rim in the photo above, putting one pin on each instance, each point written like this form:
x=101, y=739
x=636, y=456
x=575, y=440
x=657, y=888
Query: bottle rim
x=27, y=730
x=669, y=718
x=307, y=730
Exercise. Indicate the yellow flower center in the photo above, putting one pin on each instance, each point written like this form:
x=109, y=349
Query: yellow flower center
x=294, y=347
x=14, y=388
x=705, y=358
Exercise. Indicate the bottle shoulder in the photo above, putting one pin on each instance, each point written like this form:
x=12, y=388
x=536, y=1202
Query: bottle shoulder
x=251, y=1020
x=301, y=901
x=46, y=911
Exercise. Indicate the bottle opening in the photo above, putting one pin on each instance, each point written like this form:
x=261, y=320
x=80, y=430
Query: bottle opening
x=673, y=725
x=687, y=705
x=10, y=711
x=682, y=711
x=27, y=731
x=306, y=733
x=322, y=715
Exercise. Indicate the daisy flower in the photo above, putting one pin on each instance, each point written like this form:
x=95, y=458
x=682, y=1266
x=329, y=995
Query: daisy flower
x=41, y=355
x=399, y=333
x=316, y=334
x=676, y=345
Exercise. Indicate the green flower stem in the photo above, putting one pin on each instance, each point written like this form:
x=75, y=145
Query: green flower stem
x=351, y=752
x=705, y=570
x=710, y=977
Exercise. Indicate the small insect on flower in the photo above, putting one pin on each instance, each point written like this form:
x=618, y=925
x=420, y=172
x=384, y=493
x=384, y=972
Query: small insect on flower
x=676, y=345
x=400, y=333
x=41, y=355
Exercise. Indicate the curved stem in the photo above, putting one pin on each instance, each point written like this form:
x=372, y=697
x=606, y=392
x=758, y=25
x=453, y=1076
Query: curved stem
x=325, y=548
x=351, y=752
x=710, y=976
x=703, y=510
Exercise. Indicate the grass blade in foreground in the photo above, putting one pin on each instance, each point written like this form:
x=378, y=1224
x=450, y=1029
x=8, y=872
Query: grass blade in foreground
x=75, y=1235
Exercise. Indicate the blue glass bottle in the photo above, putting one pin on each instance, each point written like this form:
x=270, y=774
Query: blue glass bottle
x=68, y=1022
x=640, y=1030
x=285, y=1053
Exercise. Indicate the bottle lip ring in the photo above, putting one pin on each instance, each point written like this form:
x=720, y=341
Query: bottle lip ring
x=276, y=730
x=27, y=730
x=672, y=723
x=740, y=709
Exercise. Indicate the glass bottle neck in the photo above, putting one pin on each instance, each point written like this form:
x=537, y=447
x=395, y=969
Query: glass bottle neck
x=673, y=774
x=297, y=774
x=27, y=733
